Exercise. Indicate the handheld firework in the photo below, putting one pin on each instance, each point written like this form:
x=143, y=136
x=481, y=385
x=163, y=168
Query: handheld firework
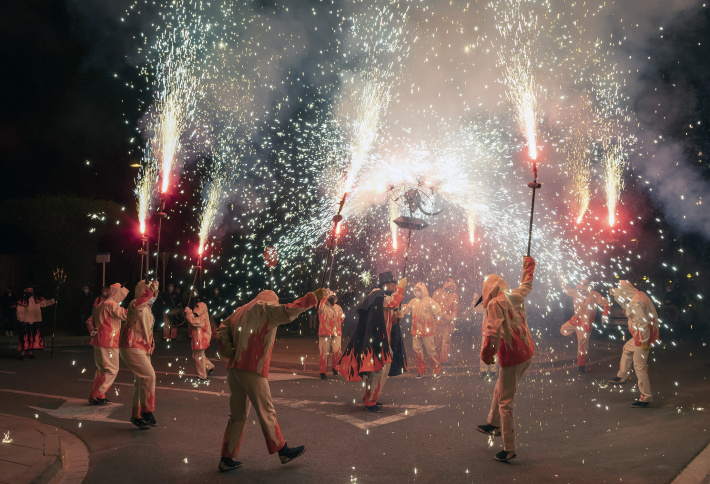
x=534, y=185
x=59, y=278
x=161, y=215
x=331, y=243
x=198, y=270
x=143, y=251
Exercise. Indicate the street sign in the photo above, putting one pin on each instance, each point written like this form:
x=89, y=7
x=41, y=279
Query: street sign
x=271, y=257
x=103, y=257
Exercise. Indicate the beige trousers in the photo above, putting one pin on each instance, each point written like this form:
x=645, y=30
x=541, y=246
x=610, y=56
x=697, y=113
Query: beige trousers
x=374, y=384
x=329, y=345
x=202, y=362
x=419, y=343
x=501, y=414
x=138, y=361
x=442, y=338
x=569, y=329
x=638, y=357
x=249, y=389
x=106, y=370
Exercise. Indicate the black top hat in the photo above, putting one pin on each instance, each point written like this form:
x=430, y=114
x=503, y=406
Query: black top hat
x=386, y=278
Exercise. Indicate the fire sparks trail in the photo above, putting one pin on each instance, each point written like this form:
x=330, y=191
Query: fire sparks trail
x=613, y=163
x=175, y=84
x=145, y=187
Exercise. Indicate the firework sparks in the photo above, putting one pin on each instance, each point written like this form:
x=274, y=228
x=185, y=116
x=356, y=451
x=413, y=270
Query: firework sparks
x=613, y=163
x=145, y=186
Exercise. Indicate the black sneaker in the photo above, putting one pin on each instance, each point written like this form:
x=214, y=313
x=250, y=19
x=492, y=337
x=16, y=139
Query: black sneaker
x=488, y=429
x=209, y=373
x=640, y=404
x=335, y=372
x=140, y=423
x=504, y=456
x=287, y=454
x=616, y=381
x=323, y=376
x=32, y=357
x=582, y=369
x=98, y=401
x=379, y=404
x=373, y=408
x=420, y=375
x=227, y=464
x=149, y=419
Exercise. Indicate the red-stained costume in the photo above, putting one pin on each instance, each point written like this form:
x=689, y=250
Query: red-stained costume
x=201, y=336
x=448, y=299
x=330, y=332
x=425, y=315
x=643, y=326
x=247, y=338
x=509, y=337
x=136, y=345
x=29, y=319
x=586, y=301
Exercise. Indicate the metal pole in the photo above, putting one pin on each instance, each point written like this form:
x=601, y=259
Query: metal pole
x=336, y=221
x=534, y=185
x=103, y=277
x=406, y=253
x=272, y=278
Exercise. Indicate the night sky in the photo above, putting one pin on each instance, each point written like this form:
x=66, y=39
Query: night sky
x=68, y=119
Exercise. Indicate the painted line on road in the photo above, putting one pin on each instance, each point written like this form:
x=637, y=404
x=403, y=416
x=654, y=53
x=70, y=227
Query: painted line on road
x=8, y=372
x=73, y=408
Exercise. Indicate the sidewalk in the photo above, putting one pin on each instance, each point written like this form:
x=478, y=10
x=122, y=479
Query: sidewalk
x=32, y=452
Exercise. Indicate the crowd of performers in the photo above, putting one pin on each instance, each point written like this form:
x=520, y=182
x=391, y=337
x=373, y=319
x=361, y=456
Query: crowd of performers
x=373, y=353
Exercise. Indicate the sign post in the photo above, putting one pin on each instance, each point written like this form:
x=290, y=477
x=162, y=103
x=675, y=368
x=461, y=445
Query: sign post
x=102, y=258
x=271, y=258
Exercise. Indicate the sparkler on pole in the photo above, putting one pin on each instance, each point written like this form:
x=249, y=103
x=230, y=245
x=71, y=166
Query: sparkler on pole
x=198, y=269
x=161, y=215
x=336, y=220
x=534, y=185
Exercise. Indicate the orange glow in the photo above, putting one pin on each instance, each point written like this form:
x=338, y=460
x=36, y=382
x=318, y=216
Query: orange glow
x=142, y=226
x=201, y=248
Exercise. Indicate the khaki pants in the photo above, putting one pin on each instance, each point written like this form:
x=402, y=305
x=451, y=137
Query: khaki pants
x=482, y=365
x=106, y=370
x=638, y=357
x=374, y=384
x=569, y=329
x=329, y=345
x=138, y=361
x=419, y=343
x=501, y=414
x=203, y=364
x=442, y=338
x=249, y=389
x=169, y=331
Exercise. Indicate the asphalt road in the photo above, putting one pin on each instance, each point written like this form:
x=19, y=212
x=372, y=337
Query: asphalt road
x=569, y=429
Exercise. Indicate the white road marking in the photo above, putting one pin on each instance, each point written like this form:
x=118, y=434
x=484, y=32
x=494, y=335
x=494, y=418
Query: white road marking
x=74, y=408
x=363, y=423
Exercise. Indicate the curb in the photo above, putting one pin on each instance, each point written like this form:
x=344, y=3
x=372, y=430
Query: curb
x=697, y=471
x=66, y=458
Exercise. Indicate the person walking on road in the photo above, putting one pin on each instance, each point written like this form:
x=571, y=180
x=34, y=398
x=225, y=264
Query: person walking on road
x=29, y=318
x=585, y=301
x=509, y=337
x=330, y=332
x=201, y=337
x=425, y=313
x=247, y=339
x=643, y=326
x=448, y=299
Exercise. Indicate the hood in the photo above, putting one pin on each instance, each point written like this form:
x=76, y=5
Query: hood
x=492, y=286
x=200, y=309
x=450, y=284
x=624, y=293
x=117, y=293
x=140, y=288
x=269, y=297
x=422, y=287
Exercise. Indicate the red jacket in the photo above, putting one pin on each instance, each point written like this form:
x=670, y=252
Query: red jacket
x=507, y=321
x=200, y=328
x=247, y=336
x=137, y=329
